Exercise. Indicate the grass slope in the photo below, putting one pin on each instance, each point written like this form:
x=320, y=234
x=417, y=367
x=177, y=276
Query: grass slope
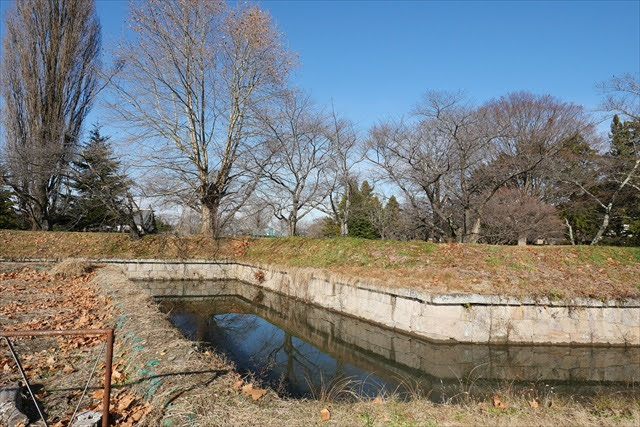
x=554, y=271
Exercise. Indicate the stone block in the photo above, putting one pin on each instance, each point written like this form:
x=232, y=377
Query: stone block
x=403, y=310
x=630, y=316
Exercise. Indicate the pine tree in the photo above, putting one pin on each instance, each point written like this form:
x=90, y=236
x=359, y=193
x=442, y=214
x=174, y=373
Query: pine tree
x=100, y=188
x=392, y=223
x=625, y=138
x=625, y=146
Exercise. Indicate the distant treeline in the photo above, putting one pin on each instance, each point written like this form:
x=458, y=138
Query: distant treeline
x=214, y=131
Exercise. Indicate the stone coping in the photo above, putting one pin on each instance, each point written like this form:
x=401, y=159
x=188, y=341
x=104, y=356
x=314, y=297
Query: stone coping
x=469, y=299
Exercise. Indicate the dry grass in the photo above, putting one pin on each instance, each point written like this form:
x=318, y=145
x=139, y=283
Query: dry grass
x=553, y=271
x=71, y=268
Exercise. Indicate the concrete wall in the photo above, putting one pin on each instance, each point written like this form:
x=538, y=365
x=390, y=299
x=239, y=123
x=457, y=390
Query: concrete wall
x=466, y=318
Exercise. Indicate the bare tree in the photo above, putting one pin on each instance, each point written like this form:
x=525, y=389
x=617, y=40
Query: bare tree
x=417, y=163
x=622, y=95
x=455, y=156
x=344, y=157
x=296, y=138
x=189, y=83
x=49, y=79
x=460, y=128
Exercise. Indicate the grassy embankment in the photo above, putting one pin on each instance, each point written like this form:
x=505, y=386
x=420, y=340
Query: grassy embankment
x=553, y=271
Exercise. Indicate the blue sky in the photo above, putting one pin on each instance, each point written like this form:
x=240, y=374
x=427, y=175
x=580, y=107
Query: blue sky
x=376, y=58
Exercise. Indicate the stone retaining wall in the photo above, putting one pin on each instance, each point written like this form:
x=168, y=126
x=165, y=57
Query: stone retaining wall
x=466, y=318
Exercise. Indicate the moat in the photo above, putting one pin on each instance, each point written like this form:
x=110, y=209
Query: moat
x=302, y=350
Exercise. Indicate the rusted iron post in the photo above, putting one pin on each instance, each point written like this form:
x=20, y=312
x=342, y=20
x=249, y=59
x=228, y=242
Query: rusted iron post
x=108, y=333
x=107, y=379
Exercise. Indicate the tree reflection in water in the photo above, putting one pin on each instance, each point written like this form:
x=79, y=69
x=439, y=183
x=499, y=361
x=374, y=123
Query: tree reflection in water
x=273, y=355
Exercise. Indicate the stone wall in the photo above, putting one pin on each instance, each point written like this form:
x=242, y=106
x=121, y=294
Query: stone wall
x=466, y=318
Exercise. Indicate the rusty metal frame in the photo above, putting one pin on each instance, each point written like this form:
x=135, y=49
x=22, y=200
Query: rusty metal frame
x=108, y=333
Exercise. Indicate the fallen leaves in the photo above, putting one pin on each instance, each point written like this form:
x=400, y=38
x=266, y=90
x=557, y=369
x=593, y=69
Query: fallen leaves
x=126, y=402
x=255, y=393
x=498, y=404
x=35, y=300
x=325, y=414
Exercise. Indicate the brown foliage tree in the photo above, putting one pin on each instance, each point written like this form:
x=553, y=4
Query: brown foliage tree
x=514, y=216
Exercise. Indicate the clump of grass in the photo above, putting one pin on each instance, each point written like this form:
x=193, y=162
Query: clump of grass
x=71, y=268
x=335, y=390
x=493, y=260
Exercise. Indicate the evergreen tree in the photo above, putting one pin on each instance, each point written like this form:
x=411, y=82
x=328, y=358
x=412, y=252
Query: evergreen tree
x=624, y=153
x=9, y=219
x=625, y=138
x=330, y=227
x=101, y=196
x=392, y=222
x=365, y=208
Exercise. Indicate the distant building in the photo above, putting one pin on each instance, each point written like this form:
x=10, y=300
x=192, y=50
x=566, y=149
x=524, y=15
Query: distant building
x=145, y=221
x=263, y=232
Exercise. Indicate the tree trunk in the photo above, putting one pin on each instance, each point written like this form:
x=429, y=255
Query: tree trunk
x=209, y=218
x=474, y=235
x=570, y=230
x=293, y=218
x=603, y=226
x=293, y=225
x=344, y=228
x=134, y=233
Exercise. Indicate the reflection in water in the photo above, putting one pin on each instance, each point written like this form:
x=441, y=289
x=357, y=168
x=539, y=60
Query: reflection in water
x=303, y=350
x=270, y=353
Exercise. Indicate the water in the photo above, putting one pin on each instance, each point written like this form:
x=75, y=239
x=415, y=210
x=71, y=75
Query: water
x=305, y=351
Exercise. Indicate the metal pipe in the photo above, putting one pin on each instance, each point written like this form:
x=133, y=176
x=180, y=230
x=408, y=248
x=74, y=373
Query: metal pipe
x=109, y=334
x=107, y=379
x=26, y=381
x=53, y=332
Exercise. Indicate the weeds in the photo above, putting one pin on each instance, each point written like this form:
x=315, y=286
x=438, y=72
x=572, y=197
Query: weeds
x=367, y=418
x=335, y=390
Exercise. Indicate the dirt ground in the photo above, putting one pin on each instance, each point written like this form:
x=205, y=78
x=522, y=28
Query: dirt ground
x=58, y=368
x=160, y=378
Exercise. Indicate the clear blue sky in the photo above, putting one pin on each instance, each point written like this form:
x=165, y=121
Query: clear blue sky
x=376, y=58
